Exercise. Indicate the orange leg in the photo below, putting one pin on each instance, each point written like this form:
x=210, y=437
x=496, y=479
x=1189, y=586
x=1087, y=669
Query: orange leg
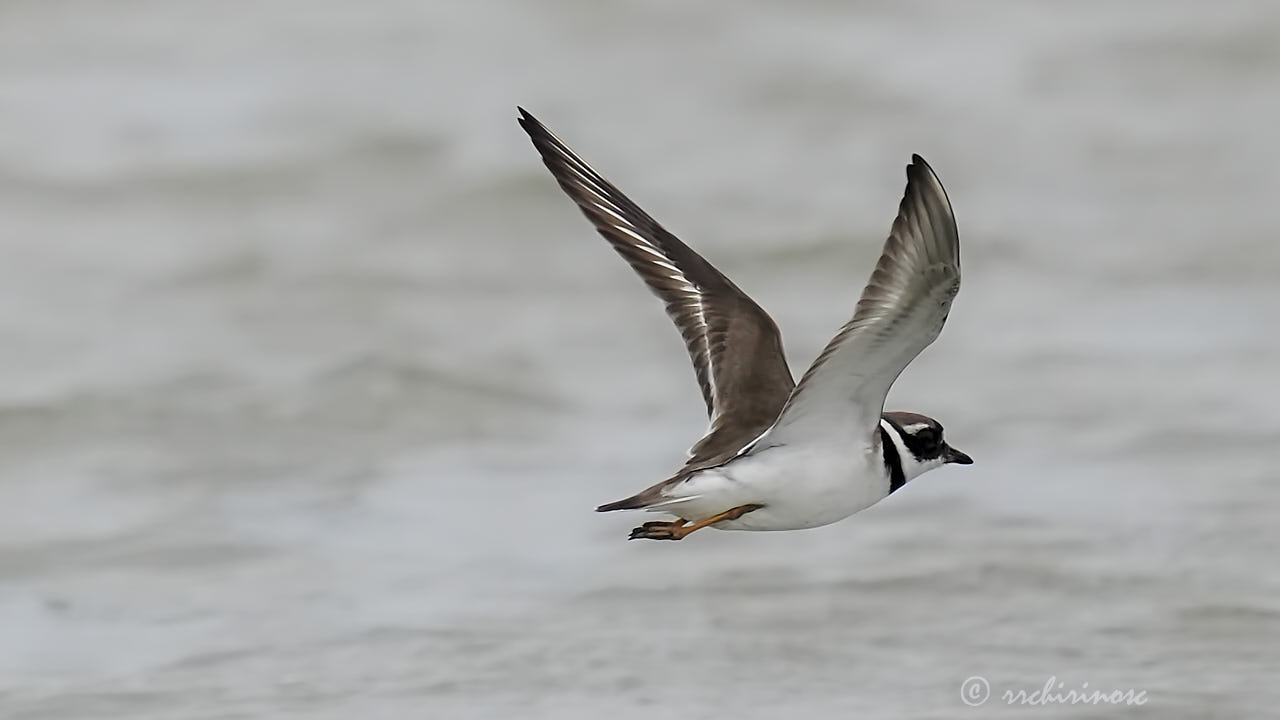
x=678, y=528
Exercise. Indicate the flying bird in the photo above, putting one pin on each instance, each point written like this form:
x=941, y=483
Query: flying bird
x=782, y=455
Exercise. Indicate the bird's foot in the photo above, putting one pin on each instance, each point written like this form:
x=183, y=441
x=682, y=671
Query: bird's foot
x=659, y=530
x=677, y=529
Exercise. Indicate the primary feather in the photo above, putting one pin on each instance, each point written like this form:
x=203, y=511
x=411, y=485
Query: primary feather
x=735, y=346
x=901, y=311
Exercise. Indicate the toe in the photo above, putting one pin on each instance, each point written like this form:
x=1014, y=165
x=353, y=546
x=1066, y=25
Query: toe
x=661, y=531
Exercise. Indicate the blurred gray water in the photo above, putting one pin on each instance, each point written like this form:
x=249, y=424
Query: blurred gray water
x=310, y=377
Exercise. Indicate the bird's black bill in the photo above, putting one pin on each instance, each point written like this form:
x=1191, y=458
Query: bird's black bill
x=953, y=455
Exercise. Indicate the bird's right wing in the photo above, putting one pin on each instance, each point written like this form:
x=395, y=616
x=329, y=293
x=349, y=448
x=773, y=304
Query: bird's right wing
x=734, y=345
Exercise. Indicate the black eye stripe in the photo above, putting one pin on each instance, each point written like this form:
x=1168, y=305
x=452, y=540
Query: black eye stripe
x=921, y=436
x=926, y=443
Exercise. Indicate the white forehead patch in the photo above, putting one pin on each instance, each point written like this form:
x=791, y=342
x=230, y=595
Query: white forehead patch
x=915, y=427
x=912, y=467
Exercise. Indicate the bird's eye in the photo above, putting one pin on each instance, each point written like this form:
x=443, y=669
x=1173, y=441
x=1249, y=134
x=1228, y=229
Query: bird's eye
x=928, y=438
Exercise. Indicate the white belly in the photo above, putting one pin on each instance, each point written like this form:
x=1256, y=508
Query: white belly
x=798, y=489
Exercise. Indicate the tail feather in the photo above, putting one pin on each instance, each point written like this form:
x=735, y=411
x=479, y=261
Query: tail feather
x=632, y=503
x=655, y=498
x=645, y=501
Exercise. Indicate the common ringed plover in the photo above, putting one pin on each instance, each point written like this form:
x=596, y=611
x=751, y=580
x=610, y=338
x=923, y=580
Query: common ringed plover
x=781, y=455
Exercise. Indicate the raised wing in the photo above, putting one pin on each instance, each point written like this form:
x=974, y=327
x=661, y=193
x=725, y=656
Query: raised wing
x=734, y=345
x=902, y=309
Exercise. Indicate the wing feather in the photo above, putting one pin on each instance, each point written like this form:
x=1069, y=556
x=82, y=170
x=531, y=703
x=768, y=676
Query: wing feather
x=734, y=345
x=901, y=311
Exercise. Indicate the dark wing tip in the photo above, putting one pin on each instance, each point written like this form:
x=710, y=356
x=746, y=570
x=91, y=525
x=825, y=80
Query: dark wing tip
x=921, y=177
x=919, y=169
x=926, y=197
x=530, y=123
x=537, y=132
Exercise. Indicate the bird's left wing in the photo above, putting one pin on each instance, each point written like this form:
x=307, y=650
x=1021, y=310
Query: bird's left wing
x=902, y=310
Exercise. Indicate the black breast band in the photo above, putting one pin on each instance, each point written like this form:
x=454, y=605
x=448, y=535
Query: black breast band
x=892, y=461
